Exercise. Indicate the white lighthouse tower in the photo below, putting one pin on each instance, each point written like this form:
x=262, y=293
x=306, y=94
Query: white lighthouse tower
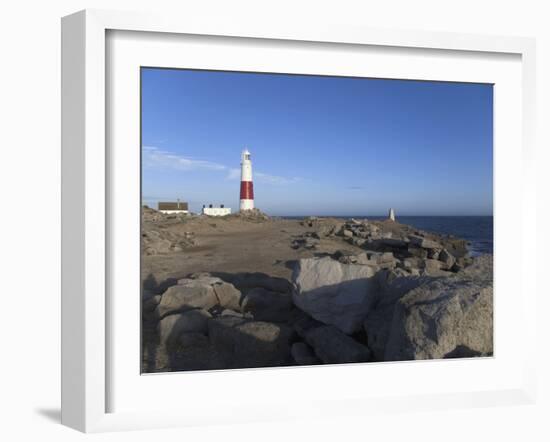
x=247, y=189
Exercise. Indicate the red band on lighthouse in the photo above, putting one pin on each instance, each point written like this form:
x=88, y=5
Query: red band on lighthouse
x=247, y=190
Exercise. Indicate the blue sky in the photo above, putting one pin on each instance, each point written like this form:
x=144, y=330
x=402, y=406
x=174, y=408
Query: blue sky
x=320, y=145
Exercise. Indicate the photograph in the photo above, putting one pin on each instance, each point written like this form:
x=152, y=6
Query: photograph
x=299, y=220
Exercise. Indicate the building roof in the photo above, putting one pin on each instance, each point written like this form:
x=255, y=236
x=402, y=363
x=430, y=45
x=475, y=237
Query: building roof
x=173, y=206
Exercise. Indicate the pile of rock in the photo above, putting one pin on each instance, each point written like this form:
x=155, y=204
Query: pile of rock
x=401, y=294
x=323, y=226
x=204, y=322
x=157, y=241
x=308, y=240
x=414, y=251
x=392, y=315
x=252, y=215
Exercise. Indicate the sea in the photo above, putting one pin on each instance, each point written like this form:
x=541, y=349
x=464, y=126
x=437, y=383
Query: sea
x=477, y=230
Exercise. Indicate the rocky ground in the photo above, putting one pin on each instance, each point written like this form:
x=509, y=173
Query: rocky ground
x=247, y=290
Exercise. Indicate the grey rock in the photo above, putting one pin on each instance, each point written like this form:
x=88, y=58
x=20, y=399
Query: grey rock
x=418, y=252
x=425, y=243
x=185, y=297
x=432, y=265
x=413, y=263
x=244, y=343
x=347, y=233
x=394, y=285
x=480, y=268
x=200, y=279
x=334, y=347
x=334, y=293
x=391, y=242
x=443, y=318
x=228, y=296
x=447, y=259
x=304, y=324
x=229, y=312
x=192, y=340
x=303, y=354
x=172, y=326
x=265, y=305
x=247, y=281
x=311, y=243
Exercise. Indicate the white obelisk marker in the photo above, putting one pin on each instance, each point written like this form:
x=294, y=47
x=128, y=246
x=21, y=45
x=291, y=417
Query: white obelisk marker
x=247, y=189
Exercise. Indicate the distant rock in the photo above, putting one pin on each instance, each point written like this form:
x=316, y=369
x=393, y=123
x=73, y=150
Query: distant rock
x=334, y=347
x=424, y=243
x=251, y=215
x=334, y=293
x=158, y=240
x=447, y=259
x=309, y=240
x=432, y=265
x=418, y=252
x=391, y=242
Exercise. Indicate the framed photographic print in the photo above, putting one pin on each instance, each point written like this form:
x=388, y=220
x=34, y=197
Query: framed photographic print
x=260, y=211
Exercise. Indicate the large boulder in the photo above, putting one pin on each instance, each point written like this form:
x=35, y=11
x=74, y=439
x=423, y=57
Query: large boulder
x=447, y=317
x=171, y=327
x=334, y=293
x=394, y=285
x=334, y=347
x=183, y=297
x=265, y=305
x=227, y=295
x=203, y=293
x=246, y=343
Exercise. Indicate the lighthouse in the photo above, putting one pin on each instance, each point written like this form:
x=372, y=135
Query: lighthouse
x=247, y=190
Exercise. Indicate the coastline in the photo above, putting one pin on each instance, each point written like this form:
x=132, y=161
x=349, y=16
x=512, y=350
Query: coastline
x=307, y=283
x=476, y=229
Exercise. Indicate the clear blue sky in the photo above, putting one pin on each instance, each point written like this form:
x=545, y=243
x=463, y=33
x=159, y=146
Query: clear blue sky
x=320, y=145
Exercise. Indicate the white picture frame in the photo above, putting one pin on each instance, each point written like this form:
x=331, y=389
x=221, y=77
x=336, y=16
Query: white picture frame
x=86, y=315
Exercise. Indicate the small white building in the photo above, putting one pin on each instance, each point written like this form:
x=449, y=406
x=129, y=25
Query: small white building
x=216, y=211
x=170, y=207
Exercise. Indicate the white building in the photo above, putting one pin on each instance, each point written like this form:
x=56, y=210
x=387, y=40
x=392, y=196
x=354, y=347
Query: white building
x=216, y=211
x=170, y=207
